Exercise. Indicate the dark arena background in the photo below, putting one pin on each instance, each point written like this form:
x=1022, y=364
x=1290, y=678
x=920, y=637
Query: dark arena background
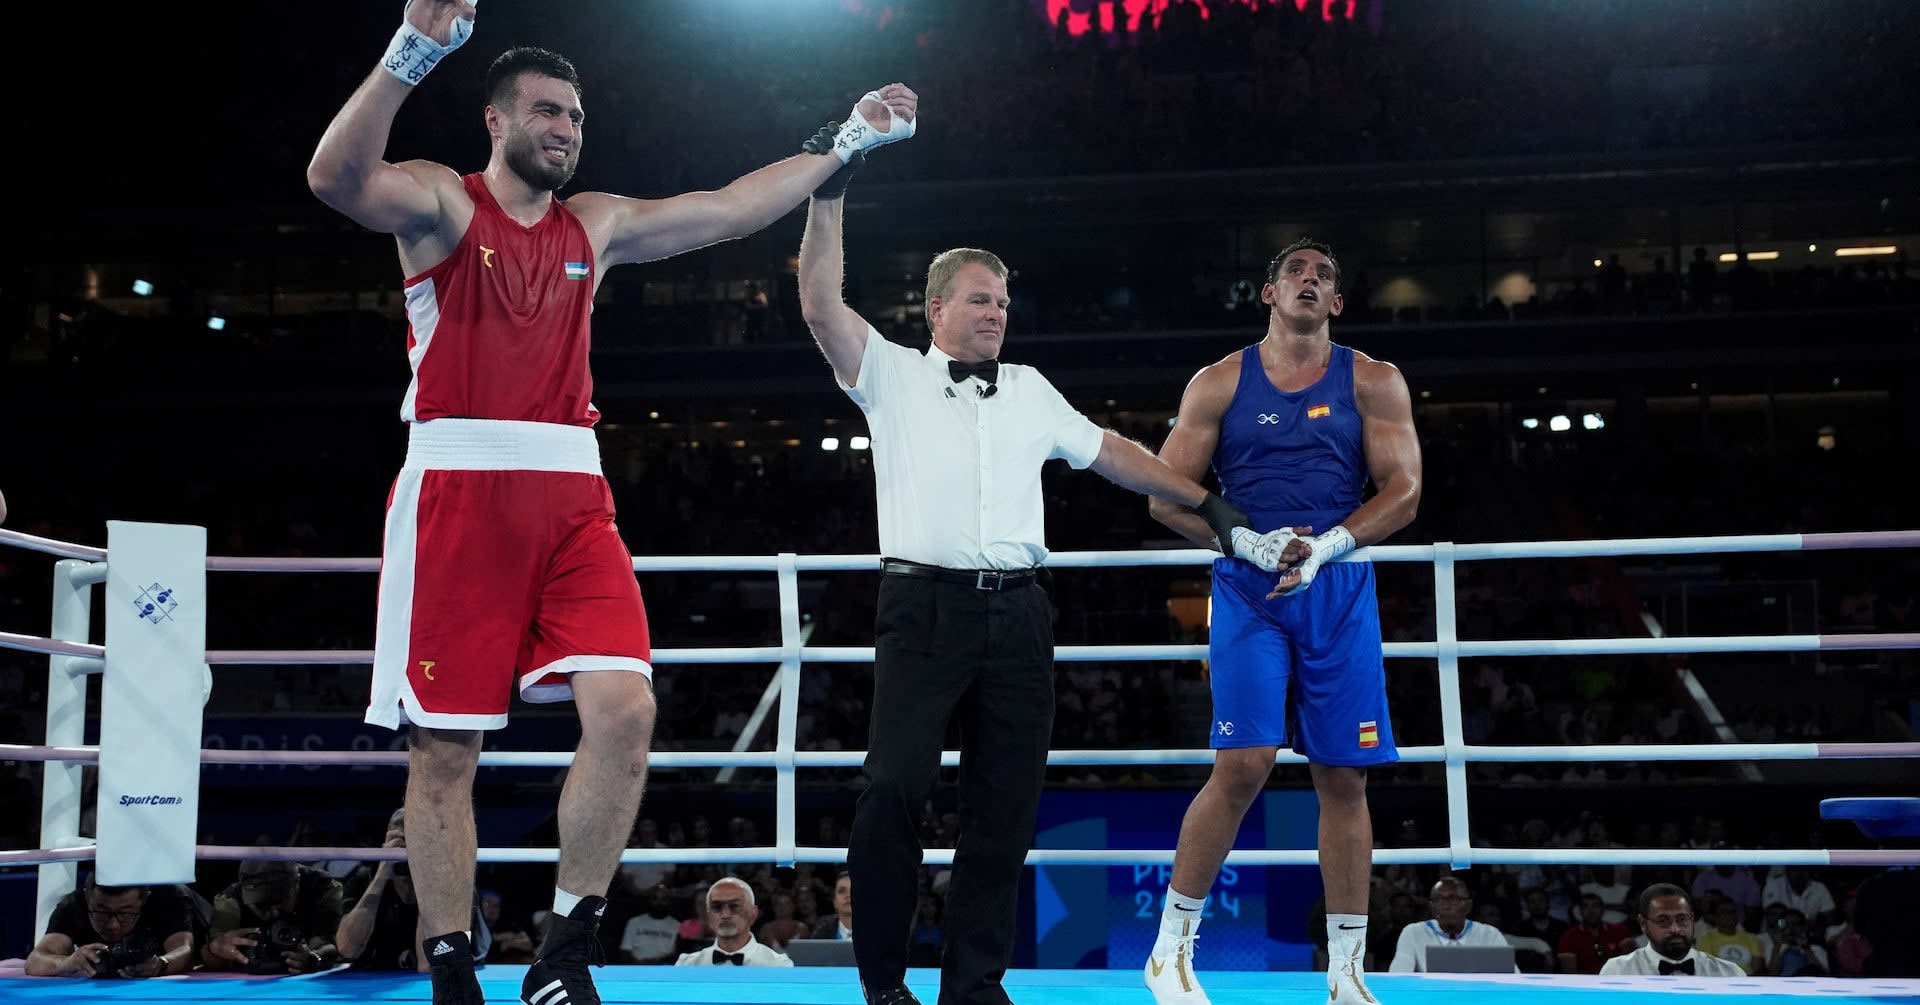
x=1645, y=266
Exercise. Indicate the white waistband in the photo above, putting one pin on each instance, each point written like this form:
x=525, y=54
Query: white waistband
x=501, y=445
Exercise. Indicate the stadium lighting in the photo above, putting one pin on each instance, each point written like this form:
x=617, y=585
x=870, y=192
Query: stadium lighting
x=216, y=322
x=1752, y=256
x=1878, y=249
x=1559, y=423
x=830, y=443
x=859, y=443
x=142, y=288
x=1529, y=423
x=1592, y=420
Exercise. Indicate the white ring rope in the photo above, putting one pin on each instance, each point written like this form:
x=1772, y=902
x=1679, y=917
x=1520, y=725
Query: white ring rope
x=79, y=657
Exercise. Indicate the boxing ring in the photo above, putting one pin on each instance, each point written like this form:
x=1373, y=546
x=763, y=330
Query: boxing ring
x=72, y=657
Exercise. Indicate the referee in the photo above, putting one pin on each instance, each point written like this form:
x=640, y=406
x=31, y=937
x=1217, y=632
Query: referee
x=963, y=631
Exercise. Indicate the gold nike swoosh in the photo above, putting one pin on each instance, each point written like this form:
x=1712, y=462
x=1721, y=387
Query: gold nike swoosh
x=1157, y=967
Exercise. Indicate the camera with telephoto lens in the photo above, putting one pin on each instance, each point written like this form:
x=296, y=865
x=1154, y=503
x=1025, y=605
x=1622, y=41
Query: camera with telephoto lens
x=283, y=936
x=135, y=949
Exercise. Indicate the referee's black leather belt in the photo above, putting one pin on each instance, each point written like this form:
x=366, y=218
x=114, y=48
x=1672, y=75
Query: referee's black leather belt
x=979, y=579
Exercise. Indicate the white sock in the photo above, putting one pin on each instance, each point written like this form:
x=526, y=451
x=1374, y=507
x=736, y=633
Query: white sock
x=1181, y=915
x=1346, y=937
x=564, y=903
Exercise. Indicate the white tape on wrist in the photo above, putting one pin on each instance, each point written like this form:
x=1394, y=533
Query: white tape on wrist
x=1263, y=550
x=1333, y=543
x=857, y=135
x=411, y=54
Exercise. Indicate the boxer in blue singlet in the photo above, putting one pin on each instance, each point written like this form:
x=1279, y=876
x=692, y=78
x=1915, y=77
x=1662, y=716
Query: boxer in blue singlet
x=1295, y=427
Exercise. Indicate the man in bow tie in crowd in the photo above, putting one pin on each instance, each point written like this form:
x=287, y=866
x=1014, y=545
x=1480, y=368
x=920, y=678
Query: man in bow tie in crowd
x=1666, y=918
x=731, y=913
x=964, y=625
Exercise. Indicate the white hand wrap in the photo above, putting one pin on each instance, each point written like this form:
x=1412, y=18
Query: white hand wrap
x=412, y=54
x=857, y=136
x=1326, y=548
x=1262, y=550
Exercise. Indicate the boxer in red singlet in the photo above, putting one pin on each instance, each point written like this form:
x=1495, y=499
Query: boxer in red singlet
x=502, y=569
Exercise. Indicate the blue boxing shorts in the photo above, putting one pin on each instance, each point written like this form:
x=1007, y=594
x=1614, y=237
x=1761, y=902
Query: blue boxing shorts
x=1303, y=671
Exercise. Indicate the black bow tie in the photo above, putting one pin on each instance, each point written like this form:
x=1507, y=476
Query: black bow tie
x=1682, y=967
x=737, y=959
x=987, y=370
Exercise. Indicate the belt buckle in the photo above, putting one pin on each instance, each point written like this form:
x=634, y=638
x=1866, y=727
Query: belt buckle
x=980, y=580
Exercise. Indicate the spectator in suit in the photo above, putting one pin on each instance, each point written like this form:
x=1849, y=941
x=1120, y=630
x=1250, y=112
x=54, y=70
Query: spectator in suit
x=838, y=925
x=731, y=912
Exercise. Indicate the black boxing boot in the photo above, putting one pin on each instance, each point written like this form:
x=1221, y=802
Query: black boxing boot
x=558, y=975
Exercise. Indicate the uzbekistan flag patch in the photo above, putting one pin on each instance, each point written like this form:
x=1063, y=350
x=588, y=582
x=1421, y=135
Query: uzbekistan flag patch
x=576, y=270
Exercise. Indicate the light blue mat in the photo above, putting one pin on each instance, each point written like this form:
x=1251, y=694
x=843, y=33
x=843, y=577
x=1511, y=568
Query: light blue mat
x=630, y=985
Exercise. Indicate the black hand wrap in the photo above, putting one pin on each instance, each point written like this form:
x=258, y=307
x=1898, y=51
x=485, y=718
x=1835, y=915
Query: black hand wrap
x=822, y=143
x=1223, y=517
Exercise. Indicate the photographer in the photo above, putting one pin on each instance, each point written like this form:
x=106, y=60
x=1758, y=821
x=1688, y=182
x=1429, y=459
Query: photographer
x=1794, y=953
x=120, y=931
x=278, y=919
x=381, y=927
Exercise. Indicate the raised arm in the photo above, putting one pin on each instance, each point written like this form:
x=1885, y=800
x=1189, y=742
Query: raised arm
x=348, y=171
x=356, y=926
x=841, y=333
x=644, y=230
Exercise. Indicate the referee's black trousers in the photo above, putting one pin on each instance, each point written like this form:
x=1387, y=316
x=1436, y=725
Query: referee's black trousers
x=947, y=652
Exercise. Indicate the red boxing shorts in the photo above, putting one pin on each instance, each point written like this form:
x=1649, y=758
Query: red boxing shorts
x=502, y=570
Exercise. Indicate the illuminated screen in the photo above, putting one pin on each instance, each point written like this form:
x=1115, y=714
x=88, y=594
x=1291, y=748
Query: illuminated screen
x=1080, y=13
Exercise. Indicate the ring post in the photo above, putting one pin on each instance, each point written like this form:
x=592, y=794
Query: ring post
x=784, y=824
x=1446, y=628
x=66, y=727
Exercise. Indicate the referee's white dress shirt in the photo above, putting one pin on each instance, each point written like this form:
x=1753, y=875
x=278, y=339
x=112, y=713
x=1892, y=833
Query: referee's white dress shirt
x=958, y=472
x=757, y=954
x=1645, y=962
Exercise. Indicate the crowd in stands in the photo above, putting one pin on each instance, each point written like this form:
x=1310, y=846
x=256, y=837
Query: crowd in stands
x=1480, y=486
x=1051, y=298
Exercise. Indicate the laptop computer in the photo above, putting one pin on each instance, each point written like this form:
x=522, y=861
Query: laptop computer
x=1469, y=959
x=821, y=952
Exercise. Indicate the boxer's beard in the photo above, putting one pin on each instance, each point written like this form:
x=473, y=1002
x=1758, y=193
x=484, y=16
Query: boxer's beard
x=527, y=160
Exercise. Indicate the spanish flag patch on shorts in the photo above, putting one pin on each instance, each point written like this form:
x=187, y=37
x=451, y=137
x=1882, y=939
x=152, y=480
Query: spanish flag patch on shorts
x=1369, y=734
x=1319, y=411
